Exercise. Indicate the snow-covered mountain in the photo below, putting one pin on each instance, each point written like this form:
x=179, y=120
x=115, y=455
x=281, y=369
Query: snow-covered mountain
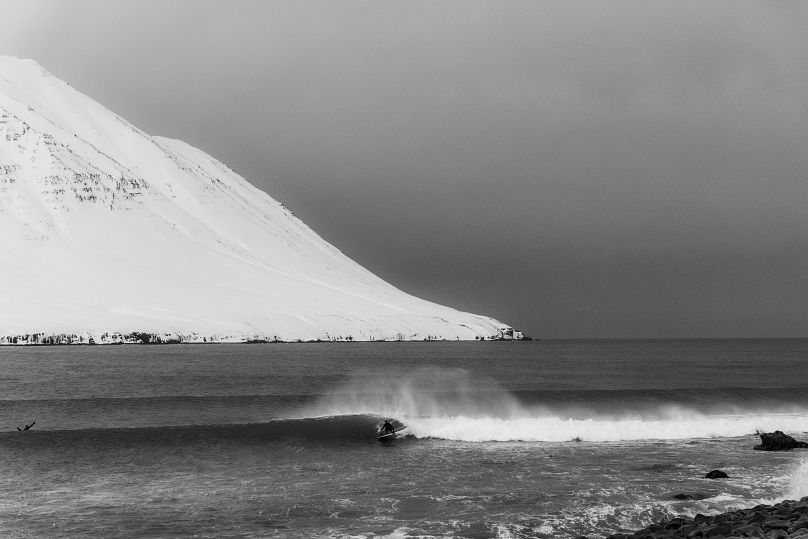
x=106, y=231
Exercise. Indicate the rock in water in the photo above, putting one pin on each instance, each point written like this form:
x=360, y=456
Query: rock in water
x=694, y=496
x=777, y=441
x=107, y=232
x=716, y=474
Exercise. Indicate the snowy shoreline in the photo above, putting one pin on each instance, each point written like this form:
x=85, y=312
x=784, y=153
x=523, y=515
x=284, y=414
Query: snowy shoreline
x=85, y=339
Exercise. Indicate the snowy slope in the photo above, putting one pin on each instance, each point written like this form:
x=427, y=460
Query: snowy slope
x=105, y=229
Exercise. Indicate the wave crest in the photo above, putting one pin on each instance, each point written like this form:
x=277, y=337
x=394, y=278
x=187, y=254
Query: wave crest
x=454, y=404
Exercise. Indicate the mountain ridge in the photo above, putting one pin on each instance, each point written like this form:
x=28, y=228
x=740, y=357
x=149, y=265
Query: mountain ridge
x=108, y=231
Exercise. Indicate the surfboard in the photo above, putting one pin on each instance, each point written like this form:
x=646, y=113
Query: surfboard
x=390, y=435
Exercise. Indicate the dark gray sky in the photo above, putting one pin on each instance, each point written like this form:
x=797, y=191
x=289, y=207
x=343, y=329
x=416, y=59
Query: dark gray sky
x=576, y=169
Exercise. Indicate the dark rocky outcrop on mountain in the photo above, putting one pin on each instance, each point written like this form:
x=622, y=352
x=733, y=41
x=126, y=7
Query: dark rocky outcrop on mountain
x=777, y=441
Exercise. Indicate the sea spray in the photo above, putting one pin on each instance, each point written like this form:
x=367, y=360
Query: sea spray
x=457, y=404
x=799, y=481
x=428, y=392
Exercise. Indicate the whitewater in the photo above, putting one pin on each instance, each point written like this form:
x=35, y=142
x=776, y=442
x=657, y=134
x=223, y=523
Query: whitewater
x=454, y=404
x=503, y=439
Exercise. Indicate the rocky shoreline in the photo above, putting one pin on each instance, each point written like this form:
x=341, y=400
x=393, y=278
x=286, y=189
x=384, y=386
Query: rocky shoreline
x=785, y=520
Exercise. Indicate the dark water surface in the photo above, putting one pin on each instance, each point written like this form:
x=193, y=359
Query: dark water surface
x=543, y=439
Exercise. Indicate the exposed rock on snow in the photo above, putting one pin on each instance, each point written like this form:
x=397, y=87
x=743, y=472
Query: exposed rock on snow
x=108, y=233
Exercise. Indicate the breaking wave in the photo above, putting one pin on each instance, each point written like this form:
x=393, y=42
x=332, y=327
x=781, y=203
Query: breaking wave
x=454, y=404
x=556, y=429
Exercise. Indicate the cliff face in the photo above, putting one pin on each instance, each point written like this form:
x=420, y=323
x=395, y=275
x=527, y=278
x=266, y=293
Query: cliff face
x=106, y=231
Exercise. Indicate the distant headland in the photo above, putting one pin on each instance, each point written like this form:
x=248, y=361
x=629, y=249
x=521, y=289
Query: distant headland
x=106, y=227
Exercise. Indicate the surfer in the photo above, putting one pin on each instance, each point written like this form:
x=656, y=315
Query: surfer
x=27, y=426
x=388, y=427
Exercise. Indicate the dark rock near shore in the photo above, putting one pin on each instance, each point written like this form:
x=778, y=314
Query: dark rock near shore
x=777, y=441
x=694, y=496
x=785, y=520
x=716, y=474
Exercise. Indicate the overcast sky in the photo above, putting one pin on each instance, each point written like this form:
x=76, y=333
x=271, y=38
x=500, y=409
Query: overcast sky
x=576, y=169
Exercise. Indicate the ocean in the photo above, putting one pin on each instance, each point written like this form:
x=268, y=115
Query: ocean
x=548, y=439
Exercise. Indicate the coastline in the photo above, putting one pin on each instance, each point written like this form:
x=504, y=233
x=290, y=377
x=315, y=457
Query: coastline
x=149, y=338
x=783, y=520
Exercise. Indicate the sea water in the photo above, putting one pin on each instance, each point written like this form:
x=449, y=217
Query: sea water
x=503, y=439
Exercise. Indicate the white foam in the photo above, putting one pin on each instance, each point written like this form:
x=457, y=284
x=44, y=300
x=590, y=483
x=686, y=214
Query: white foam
x=556, y=429
x=455, y=404
x=799, y=481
